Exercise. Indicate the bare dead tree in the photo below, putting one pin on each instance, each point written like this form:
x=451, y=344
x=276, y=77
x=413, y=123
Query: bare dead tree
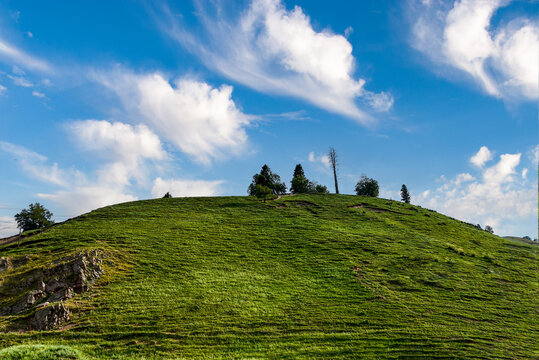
x=333, y=161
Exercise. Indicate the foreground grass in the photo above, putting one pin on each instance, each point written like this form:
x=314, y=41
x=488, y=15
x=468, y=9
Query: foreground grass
x=299, y=277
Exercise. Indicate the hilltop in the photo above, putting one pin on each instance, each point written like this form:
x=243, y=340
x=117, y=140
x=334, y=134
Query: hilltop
x=306, y=276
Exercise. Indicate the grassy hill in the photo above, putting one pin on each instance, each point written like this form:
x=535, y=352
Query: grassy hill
x=322, y=276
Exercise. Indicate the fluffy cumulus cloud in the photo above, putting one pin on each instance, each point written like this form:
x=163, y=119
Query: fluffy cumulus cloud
x=481, y=157
x=198, y=119
x=179, y=187
x=276, y=50
x=500, y=195
x=125, y=148
x=460, y=35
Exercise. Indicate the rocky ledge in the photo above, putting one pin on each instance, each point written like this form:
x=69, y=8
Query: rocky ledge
x=45, y=289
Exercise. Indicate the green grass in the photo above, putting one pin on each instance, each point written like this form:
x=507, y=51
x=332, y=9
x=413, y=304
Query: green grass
x=296, y=278
x=40, y=352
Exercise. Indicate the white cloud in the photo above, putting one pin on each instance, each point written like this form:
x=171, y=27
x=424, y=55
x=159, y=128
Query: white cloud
x=276, y=50
x=13, y=55
x=118, y=140
x=8, y=226
x=460, y=35
x=78, y=194
x=20, y=81
x=481, y=157
x=38, y=94
x=524, y=173
x=498, y=198
x=533, y=154
x=36, y=165
x=322, y=159
x=201, y=121
x=3, y=89
x=29, y=34
x=179, y=187
x=81, y=199
x=125, y=147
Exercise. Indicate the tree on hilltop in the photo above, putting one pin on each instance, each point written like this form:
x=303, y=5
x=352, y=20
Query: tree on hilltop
x=405, y=195
x=367, y=187
x=268, y=179
x=298, y=171
x=300, y=184
x=333, y=161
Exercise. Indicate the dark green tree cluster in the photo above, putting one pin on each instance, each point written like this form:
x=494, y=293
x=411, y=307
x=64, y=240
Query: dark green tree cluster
x=266, y=183
x=367, y=187
x=35, y=217
x=167, y=196
x=301, y=185
x=268, y=179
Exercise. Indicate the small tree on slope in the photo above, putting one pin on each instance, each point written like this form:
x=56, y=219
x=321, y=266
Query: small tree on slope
x=405, y=195
x=35, y=217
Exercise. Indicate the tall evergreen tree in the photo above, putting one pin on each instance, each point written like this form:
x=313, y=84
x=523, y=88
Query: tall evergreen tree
x=298, y=171
x=405, y=195
x=300, y=184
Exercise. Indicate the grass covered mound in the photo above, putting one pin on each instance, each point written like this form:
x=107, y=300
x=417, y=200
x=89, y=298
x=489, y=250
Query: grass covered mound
x=319, y=276
x=40, y=352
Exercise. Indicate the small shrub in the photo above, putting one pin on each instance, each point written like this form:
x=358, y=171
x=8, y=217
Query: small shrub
x=262, y=192
x=367, y=187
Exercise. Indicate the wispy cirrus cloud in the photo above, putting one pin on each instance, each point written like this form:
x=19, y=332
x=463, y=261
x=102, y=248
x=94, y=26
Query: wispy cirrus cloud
x=460, y=35
x=38, y=165
x=12, y=54
x=275, y=50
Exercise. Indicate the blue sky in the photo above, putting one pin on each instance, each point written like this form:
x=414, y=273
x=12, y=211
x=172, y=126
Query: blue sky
x=108, y=102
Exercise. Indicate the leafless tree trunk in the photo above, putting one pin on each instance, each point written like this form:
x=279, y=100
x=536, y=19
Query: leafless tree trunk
x=333, y=160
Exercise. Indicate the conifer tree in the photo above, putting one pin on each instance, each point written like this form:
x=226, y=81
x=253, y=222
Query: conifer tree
x=405, y=195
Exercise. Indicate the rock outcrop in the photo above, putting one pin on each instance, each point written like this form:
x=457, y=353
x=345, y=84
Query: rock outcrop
x=45, y=289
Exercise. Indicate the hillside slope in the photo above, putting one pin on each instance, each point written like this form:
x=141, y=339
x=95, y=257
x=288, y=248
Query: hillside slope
x=322, y=276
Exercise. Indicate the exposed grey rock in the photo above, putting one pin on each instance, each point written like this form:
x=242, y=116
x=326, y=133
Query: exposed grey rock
x=62, y=294
x=5, y=264
x=50, y=317
x=27, y=301
x=67, y=277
